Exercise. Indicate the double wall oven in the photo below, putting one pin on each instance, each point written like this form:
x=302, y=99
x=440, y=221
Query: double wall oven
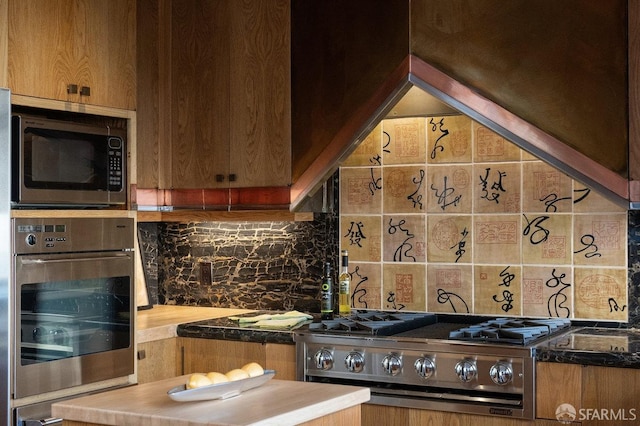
x=73, y=308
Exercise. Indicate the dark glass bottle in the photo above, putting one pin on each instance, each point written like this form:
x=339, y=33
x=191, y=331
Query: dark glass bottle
x=326, y=294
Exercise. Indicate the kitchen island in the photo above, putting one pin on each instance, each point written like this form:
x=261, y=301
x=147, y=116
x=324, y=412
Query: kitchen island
x=277, y=402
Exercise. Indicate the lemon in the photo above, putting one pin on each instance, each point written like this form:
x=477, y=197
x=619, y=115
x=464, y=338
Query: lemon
x=197, y=380
x=217, y=377
x=253, y=369
x=237, y=374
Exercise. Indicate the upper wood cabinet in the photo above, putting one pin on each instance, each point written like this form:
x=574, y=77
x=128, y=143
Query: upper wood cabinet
x=58, y=47
x=214, y=94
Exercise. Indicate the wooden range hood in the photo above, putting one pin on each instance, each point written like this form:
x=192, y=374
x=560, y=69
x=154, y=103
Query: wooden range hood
x=559, y=79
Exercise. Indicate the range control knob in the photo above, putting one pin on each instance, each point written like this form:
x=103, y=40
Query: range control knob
x=501, y=373
x=354, y=362
x=324, y=359
x=466, y=370
x=425, y=367
x=31, y=240
x=392, y=364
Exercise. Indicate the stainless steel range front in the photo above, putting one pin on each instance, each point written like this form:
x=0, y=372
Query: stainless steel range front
x=428, y=361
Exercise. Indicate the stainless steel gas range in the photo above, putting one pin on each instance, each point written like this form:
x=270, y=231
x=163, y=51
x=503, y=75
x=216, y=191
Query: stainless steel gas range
x=464, y=364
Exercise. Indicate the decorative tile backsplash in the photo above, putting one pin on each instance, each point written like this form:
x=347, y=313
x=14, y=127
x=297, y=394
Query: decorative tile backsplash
x=441, y=214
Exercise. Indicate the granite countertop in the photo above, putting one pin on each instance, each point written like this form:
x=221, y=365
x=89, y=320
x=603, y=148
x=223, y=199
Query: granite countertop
x=598, y=346
x=228, y=329
x=276, y=402
x=161, y=321
x=593, y=345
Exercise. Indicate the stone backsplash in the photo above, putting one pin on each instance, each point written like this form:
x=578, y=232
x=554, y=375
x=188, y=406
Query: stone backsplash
x=254, y=265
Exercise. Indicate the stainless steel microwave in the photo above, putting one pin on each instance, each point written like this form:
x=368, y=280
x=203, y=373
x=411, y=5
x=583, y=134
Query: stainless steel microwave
x=66, y=164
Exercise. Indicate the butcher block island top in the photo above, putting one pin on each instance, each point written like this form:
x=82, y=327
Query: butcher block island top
x=277, y=402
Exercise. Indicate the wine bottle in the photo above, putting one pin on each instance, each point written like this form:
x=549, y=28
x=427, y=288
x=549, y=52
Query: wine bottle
x=326, y=292
x=344, y=280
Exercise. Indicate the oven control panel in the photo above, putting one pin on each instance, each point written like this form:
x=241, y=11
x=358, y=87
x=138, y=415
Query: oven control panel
x=495, y=373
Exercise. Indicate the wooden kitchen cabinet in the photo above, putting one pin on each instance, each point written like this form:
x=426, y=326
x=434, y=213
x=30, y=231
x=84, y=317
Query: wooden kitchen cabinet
x=608, y=390
x=157, y=360
x=205, y=355
x=556, y=384
x=214, y=94
x=91, y=44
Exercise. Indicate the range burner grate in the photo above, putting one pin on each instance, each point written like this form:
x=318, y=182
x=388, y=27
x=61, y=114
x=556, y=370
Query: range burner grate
x=510, y=330
x=374, y=323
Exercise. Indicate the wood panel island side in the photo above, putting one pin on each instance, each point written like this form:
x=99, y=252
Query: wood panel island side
x=280, y=402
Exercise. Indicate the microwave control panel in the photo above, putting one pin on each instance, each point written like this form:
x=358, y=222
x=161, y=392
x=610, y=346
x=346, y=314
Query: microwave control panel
x=116, y=155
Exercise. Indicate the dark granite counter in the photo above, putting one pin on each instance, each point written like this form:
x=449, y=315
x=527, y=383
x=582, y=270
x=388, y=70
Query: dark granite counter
x=228, y=329
x=598, y=346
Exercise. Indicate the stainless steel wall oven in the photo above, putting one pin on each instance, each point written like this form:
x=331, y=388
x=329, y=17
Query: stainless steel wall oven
x=73, y=303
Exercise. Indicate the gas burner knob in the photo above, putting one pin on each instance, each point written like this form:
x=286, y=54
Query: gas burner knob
x=324, y=359
x=392, y=364
x=466, y=370
x=425, y=367
x=354, y=362
x=501, y=373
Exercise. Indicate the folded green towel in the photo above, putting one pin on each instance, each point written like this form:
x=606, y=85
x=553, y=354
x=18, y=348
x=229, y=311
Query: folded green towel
x=280, y=324
x=287, y=316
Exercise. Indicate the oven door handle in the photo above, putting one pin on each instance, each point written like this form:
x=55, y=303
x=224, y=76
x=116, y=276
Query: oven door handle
x=73, y=259
x=43, y=422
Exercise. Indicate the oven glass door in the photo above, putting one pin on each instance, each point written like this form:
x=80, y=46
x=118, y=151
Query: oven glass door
x=73, y=320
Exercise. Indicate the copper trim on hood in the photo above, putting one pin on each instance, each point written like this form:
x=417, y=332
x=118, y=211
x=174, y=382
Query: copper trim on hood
x=415, y=72
x=527, y=136
x=550, y=77
x=357, y=127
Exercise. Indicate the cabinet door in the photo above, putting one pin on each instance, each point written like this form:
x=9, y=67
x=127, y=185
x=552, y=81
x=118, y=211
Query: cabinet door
x=90, y=43
x=199, y=93
x=205, y=355
x=556, y=384
x=613, y=391
x=281, y=358
x=157, y=360
x=260, y=84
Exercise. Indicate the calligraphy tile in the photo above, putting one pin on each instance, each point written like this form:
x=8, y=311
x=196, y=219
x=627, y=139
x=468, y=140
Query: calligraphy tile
x=545, y=189
x=600, y=239
x=403, y=238
x=496, y=187
x=360, y=190
x=407, y=141
x=497, y=290
x=449, y=139
x=547, y=291
x=369, y=152
x=449, y=189
x=526, y=156
x=587, y=200
x=404, y=287
x=497, y=239
x=491, y=147
x=601, y=294
x=449, y=239
x=404, y=189
x=366, y=285
x=450, y=288
x=361, y=236
x=546, y=238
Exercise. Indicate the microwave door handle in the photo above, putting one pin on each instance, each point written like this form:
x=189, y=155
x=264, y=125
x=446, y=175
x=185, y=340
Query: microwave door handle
x=72, y=259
